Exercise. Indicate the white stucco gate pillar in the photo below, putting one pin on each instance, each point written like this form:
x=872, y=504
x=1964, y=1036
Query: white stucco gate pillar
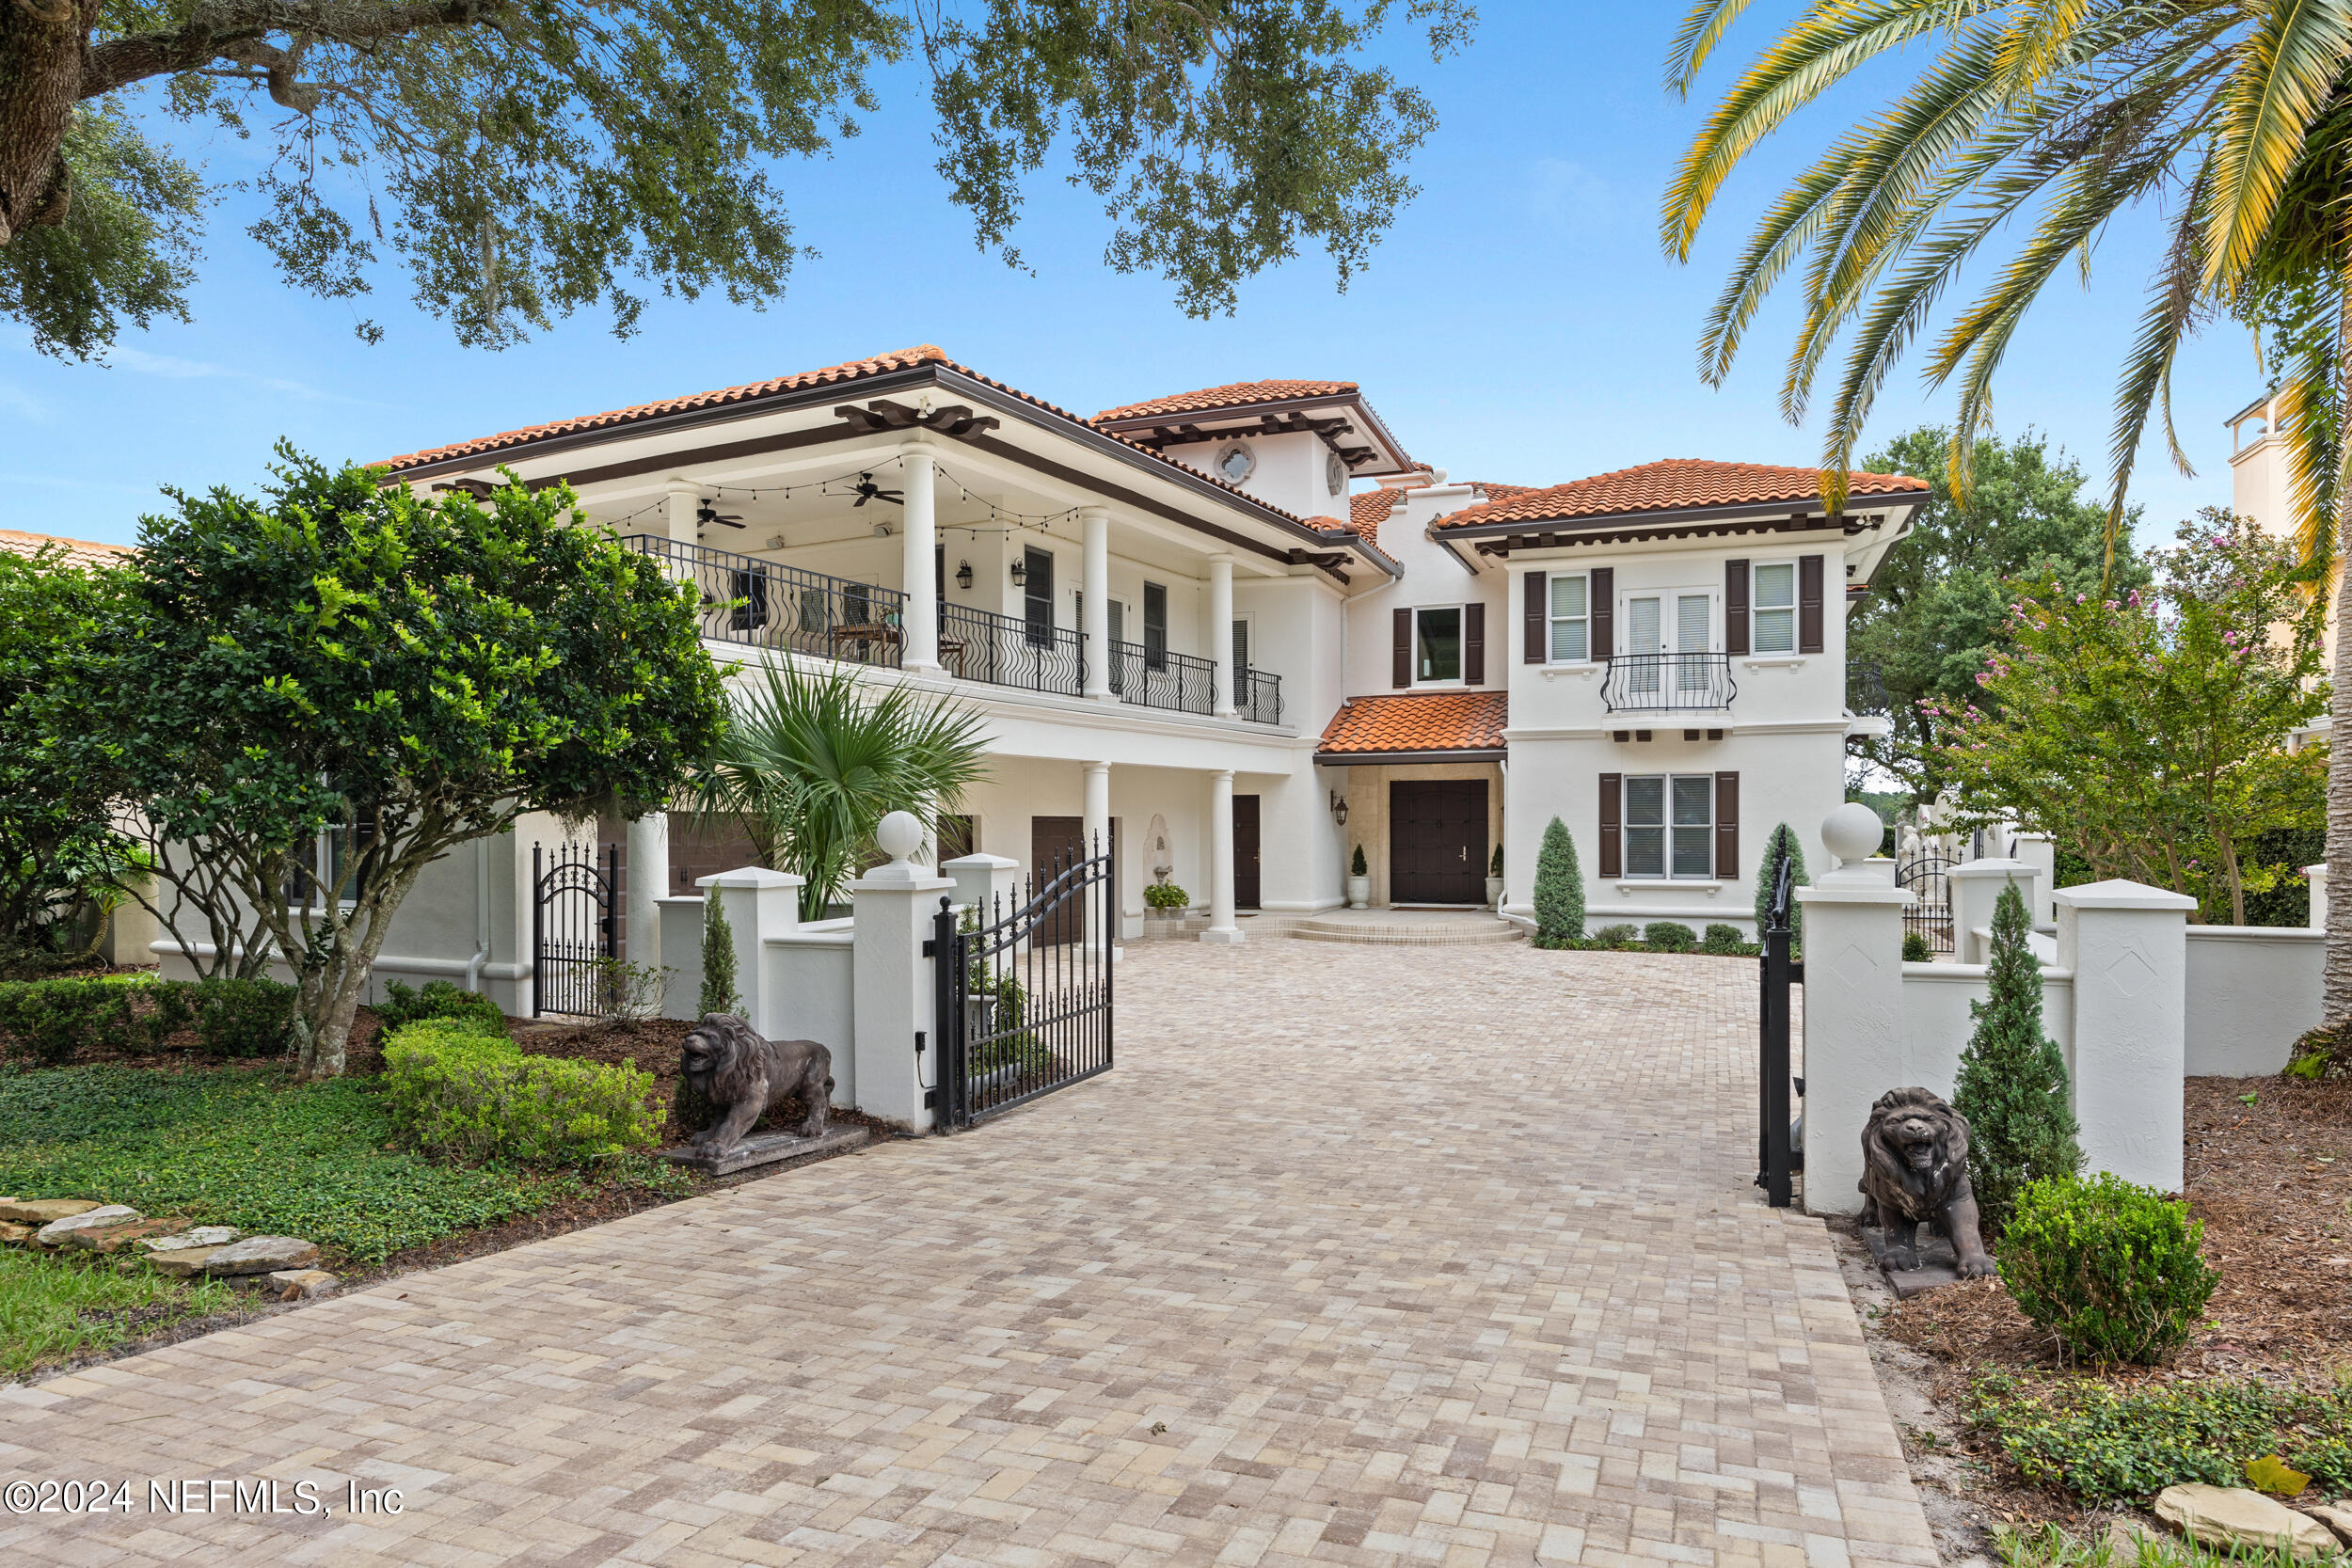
x=894, y=905
x=1853, y=980
x=918, y=637
x=1221, y=925
x=1975, y=890
x=2127, y=945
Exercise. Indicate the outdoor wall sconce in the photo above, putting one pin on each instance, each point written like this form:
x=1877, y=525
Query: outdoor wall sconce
x=1020, y=571
x=1339, y=808
x=964, y=574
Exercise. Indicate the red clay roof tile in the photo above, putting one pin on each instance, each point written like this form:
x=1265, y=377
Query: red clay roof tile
x=1237, y=394
x=1418, y=721
x=1676, y=485
x=78, y=552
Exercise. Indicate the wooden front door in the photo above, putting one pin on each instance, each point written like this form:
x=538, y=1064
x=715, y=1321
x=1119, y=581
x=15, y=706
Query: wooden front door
x=1438, y=841
x=1055, y=845
x=1244, y=851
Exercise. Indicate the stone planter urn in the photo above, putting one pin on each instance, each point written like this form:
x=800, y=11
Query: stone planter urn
x=1359, y=893
x=1494, y=893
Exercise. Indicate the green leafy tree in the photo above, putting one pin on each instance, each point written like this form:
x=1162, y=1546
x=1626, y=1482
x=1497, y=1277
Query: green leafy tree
x=1937, y=604
x=812, y=761
x=332, y=686
x=2147, y=734
x=1559, y=889
x=2031, y=130
x=2011, y=1085
x=719, y=994
x=526, y=161
x=1780, y=844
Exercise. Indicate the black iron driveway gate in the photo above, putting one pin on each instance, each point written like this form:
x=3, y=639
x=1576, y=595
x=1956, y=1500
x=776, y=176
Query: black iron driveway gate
x=1775, y=1154
x=573, y=904
x=1022, y=993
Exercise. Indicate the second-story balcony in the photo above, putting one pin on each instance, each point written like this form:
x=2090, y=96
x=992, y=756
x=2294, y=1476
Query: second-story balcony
x=756, y=602
x=1668, y=683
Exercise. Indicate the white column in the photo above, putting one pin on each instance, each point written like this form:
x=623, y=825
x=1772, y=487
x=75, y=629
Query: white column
x=1221, y=925
x=1221, y=649
x=1853, y=991
x=2127, y=945
x=919, y=636
x=681, y=498
x=1976, y=889
x=759, y=904
x=2318, y=874
x=648, y=876
x=2039, y=850
x=895, y=906
x=1094, y=825
x=1095, y=619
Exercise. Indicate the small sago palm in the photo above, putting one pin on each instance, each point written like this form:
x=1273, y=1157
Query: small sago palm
x=2031, y=125
x=811, y=762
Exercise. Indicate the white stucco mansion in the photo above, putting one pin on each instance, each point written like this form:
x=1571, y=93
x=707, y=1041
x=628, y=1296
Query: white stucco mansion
x=1239, y=632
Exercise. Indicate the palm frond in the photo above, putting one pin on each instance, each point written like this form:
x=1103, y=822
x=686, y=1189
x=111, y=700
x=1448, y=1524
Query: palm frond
x=2288, y=69
x=2147, y=382
x=1696, y=39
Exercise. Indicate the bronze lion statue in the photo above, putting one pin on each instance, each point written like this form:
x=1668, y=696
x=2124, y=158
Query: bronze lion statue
x=743, y=1077
x=1914, y=1172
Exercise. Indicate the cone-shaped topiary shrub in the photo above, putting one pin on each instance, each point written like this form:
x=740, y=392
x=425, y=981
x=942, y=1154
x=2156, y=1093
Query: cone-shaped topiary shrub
x=2011, y=1085
x=1559, y=890
x=719, y=994
x=1780, y=840
x=1358, y=866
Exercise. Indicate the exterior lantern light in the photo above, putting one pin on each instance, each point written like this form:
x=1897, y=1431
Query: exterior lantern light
x=1020, y=571
x=964, y=574
x=1339, y=808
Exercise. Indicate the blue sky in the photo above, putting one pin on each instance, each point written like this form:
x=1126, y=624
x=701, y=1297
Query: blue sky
x=1518, y=325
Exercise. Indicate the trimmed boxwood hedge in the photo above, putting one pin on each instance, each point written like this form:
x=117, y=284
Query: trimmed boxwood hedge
x=453, y=1089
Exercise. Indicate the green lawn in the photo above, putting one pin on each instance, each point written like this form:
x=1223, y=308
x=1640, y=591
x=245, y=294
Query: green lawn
x=247, y=1147
x=52, y=1309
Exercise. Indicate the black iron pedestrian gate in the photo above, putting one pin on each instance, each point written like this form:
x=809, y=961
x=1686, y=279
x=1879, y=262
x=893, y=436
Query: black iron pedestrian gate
x=1024, y=992
x=574, y=904
x=1927, y=878
x=1776, y=1144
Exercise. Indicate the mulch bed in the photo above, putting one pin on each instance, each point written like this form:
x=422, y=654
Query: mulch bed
x=654, y=1045
x=2269, y=1172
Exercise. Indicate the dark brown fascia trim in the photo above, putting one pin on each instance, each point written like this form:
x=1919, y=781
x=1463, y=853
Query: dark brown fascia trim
x=1531, y=536
x=1364, y=759
x=1680, y=516
x=865, y=386
x=1278, y=406
x=1447, y=545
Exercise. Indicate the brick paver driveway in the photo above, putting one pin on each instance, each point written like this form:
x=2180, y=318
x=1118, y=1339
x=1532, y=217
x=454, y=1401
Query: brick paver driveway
x=1364, y=1255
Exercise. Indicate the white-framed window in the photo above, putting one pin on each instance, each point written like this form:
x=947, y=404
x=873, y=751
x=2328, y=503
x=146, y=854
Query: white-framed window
x=1670, y=826
x=1437, y=644
x=1775, y=608
x=1571, y=618
x=309, y=877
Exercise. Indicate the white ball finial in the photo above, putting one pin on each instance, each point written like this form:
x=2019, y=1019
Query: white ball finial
x=1853, y=832
x=899, y=834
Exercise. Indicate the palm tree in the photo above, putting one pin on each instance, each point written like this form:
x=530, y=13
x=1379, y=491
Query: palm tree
x=2232, y=117
x=810, y=764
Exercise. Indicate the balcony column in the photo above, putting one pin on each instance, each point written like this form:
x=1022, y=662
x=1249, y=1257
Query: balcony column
x=681, y=499
x=1221, y=927
x=1221, y=655
x=1095, y=618
x=918, y=634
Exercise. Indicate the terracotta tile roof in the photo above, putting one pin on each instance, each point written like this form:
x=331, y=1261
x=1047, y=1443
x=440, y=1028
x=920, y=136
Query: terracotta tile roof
x=78, y=552
x=1238, y=395
x=854, y=370
x=1418, y=721
x=1676, y=485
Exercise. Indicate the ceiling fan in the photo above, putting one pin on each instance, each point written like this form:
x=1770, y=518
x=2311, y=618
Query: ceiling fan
x=708, y=512
x=870, y=491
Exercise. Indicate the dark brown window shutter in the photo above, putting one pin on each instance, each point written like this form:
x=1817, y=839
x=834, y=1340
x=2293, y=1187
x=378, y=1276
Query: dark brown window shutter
x=1402, y=675
x=1735, y=606
x=1727, y=827
x=1808, y=604
x=1612, y=816
x=1603, y=603
x=1538, y=629
x=1474, y=645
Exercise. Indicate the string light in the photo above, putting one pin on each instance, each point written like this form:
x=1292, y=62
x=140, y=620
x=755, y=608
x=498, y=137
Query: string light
x=1011, y=521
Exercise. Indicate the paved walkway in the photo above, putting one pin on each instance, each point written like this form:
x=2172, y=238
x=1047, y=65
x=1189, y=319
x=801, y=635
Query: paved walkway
x=1362, y=1256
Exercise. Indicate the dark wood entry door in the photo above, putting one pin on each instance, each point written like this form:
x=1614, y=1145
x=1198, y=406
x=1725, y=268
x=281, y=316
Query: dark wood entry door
x=1055, y=845
x=1244, y=851
x=1438, y=841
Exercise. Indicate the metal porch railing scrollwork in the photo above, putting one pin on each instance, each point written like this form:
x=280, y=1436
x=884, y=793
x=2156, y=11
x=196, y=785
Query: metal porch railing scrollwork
x=1006, y=650
x=765, y=604
x=1668, y=683
x=1177, y=682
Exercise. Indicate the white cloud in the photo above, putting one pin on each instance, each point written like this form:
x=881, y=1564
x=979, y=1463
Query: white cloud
x=170, y=367
x=1569, y=198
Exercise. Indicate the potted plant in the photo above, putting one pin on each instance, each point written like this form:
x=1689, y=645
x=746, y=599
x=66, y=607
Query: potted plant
x=1494, y=879
x=1164, y=901
x=1358, y=881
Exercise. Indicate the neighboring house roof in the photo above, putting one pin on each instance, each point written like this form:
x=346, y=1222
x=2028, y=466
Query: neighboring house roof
x=1676, y=485
x=78, y=552
x=1236, y=394
x=1417, y=723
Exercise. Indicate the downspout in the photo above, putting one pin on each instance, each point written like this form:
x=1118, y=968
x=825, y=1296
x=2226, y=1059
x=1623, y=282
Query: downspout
x=480, y=914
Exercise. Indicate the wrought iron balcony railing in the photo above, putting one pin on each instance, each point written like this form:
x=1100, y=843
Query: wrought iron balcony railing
x=766, y=604
x=1005, y=650
x=1178, y=682
x=1668, y=683
x=1866, y=690
x=1260, y=696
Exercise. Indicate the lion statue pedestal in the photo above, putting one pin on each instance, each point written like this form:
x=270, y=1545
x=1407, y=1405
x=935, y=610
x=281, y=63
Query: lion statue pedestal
x=726, y=1065
x=1915, y=1173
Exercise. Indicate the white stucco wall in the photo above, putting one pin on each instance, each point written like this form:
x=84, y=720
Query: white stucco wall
x=2251, y=991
